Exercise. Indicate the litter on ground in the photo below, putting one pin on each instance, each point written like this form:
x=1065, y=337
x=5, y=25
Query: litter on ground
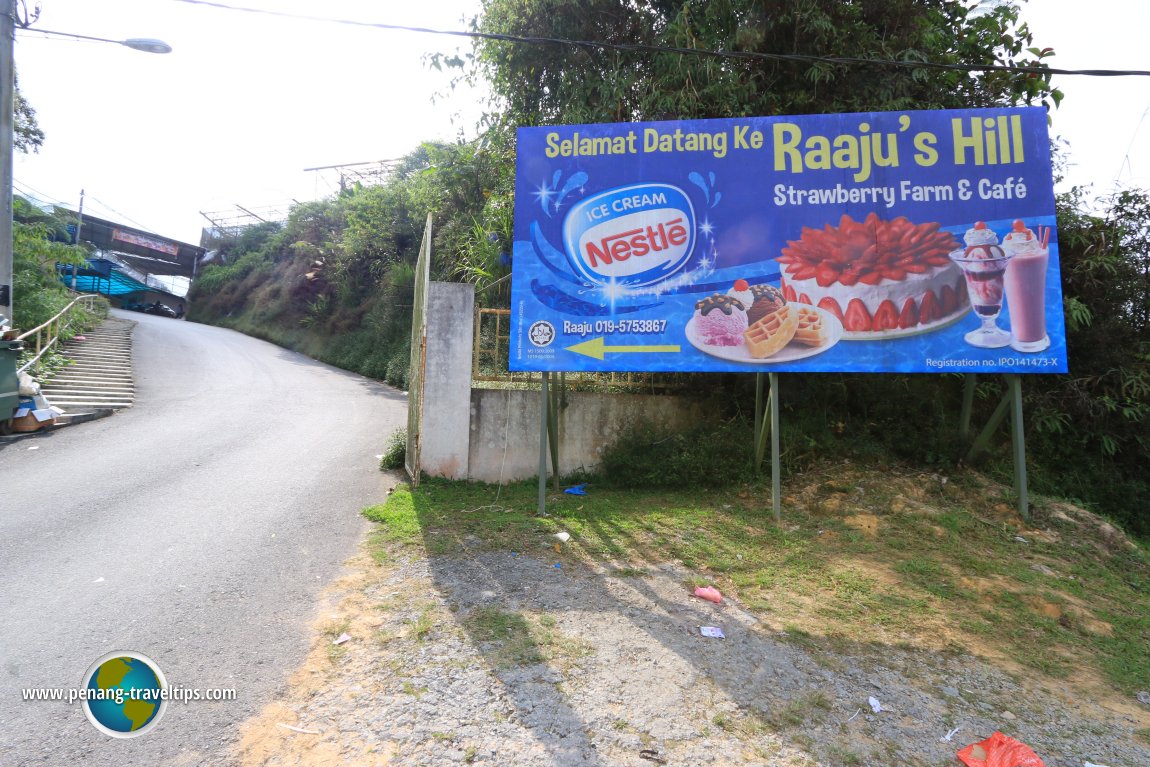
x=293, y=728
x=999, y=751
x=709, y=593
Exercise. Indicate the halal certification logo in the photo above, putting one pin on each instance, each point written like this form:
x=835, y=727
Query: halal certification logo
x=541, y=333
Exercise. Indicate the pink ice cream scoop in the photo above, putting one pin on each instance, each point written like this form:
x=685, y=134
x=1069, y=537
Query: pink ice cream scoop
x=720, y=320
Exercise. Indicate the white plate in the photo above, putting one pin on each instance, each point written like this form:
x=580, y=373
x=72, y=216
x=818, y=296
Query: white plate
x=790, y=352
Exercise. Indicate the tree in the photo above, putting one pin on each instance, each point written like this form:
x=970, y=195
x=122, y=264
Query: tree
x=1094, y=424
x=37, y=247
x=542, y=83
x=26, y=133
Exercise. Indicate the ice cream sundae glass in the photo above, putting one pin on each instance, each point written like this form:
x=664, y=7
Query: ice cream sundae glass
x=983, y=263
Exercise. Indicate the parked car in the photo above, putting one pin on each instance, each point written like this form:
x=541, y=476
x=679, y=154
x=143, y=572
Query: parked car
x=133, y=306
x=161, y=309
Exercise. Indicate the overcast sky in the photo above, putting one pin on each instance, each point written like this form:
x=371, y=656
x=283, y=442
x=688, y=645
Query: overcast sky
x=246, y=102
x=236, y=112
x=1106, y=120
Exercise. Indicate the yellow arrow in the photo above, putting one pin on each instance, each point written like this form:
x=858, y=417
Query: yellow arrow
x=596, y=348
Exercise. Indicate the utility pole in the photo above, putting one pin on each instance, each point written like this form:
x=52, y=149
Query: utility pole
x=79, y=225
x=8, y=23
x=7, y=125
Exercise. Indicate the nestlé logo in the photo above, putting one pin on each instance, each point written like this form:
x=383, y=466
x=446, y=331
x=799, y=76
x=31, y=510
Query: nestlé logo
x=633, y=235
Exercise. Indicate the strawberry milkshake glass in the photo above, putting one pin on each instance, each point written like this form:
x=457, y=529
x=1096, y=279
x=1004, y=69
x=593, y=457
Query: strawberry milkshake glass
x=1026, y=287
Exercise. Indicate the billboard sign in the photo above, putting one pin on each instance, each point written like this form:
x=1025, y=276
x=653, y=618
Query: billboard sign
x=919, y=241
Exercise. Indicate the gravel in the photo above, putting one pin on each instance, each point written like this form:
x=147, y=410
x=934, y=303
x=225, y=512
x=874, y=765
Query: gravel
x=500, y=658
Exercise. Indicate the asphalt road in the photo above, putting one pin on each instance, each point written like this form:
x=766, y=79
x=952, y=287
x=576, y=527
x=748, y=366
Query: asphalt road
x=197, y=528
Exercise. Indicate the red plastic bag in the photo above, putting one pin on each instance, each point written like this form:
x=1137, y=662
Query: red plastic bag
x=709, y=593
x=999, y=751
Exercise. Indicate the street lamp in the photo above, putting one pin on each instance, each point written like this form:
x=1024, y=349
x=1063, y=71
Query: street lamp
x=8, y=25
x=145, y=44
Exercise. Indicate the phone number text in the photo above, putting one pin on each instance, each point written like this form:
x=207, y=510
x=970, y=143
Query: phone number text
x=614, y=326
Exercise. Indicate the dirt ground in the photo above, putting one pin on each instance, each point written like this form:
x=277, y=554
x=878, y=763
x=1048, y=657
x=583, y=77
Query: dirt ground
x=494, y=657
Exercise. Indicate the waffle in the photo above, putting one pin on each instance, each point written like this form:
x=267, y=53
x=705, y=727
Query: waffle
x=771, y=333
x=811, y=331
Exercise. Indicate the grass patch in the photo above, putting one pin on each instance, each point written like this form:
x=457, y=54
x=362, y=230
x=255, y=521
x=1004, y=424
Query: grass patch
x=398, y=520
x=865, y=559
x=331, y=631
x=512, y=639
x=423, y=623
x=798, y=711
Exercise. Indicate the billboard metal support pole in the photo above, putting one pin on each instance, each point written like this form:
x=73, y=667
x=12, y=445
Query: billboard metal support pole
x=1011, y=403
x=555, y=404
x=773, y=403
x=541, y=507
x=762, y=424
x=1018, y=441
x=970, y=381
x=767, y=422
x=758, y=422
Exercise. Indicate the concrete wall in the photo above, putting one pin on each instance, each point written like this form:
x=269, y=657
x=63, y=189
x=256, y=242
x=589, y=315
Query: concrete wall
x=447, y=380
x=492, y=435
x=505, y=429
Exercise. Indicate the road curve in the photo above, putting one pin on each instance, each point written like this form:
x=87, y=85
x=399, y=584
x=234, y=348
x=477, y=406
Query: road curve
x=197, y=528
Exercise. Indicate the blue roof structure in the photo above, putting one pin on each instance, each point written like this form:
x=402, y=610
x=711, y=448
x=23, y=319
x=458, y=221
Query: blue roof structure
x=101, y=277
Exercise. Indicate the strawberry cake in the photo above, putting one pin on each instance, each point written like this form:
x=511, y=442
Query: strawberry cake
x=880, y=278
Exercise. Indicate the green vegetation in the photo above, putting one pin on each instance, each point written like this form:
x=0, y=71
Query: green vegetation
x=864, y=560
x=521, y=638
x=39, y=242
x=707, y=456
x=396, y=451
x=335, y=280
x=544, y=84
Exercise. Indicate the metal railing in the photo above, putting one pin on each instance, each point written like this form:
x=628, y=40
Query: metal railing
x=48, y=334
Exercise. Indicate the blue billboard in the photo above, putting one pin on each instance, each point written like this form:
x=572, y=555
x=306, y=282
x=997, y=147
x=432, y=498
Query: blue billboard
x=919, y=241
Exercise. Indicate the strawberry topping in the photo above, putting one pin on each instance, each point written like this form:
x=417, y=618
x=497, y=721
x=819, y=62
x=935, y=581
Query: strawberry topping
x=832, y=306
x=886, y=316
x=930, y=310
x=908, y=317
x=857, y=318
x=866, y=251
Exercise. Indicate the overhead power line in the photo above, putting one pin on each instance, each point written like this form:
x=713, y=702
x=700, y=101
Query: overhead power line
x=39, y=196
x=127, y=218
x=643, y=48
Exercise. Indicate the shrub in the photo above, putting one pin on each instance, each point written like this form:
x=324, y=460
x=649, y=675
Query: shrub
x=706, y=456
x=396, y=453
